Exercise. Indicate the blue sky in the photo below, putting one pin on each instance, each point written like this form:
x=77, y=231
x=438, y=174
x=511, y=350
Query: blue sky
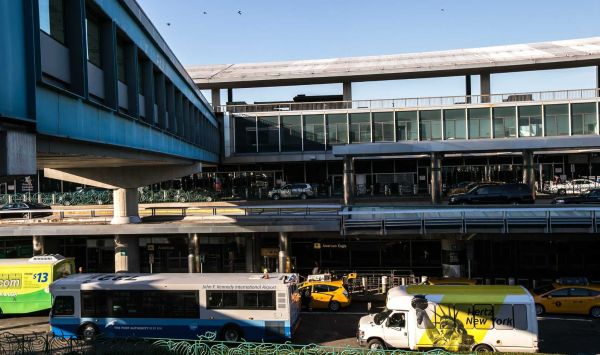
x=270, y=30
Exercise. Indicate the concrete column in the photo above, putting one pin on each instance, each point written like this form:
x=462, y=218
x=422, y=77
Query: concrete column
x=436, y=178
x=229, y=95
x=347, y=89
x=284, y=252
x=528, y=170
x=38, y=245
x=485, y=87
x=597, y=78
x=348, y=180
x=127, y=253
x=468, y=89
x=453, y=258
x=125, y=202
x=193, y=253
x=215, y=98
x=250, y=254
x=197, y=262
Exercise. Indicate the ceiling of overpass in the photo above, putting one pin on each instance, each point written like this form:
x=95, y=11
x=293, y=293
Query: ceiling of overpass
x=530, y=56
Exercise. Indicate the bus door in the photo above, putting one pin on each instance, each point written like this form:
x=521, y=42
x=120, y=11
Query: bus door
x=395, y=330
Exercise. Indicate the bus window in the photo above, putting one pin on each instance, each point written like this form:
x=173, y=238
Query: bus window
x=266, y=300
x=63, y=306
x=520, y=311
x=222, y=299
x=63, y=269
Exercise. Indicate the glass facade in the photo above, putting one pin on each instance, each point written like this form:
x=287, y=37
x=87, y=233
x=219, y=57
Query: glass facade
x=454, y=124
x=360, y=128
x=291, y=133
x=530, y=121
x=314, y=132
x=504, y=122
x=383, y=126
x=556, y=120
x=430, y=125
x=121, y=73
x=52, y=18
x=268, y=134
x=406, y=129
x=245, y=134
x=479, y=123
x=337, y=129
x=93, y=41
x=584, y=119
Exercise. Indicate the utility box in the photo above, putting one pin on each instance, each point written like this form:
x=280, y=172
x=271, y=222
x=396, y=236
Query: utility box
x=17, y=153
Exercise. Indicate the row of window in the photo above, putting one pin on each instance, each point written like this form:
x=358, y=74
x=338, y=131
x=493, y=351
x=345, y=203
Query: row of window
x=319, y=132
x=264, y=300
x=119, y=75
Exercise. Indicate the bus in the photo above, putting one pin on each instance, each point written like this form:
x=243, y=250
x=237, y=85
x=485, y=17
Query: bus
x=252, y=307
x=24, y=282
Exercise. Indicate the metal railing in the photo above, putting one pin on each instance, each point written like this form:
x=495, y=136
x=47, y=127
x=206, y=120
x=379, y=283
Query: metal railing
x=452, y=219
x=416, y=102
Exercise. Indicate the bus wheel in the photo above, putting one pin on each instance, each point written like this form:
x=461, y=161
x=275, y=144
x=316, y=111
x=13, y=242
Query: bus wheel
x=231, y=333
x=539, y=309
x=88, y=332
x=483, y=348
x=334, y=306
x=375, y=344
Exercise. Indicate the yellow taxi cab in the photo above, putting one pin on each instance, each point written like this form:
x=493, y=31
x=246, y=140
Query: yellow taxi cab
x=450, y=281
x=571, y=299
x=325, y=294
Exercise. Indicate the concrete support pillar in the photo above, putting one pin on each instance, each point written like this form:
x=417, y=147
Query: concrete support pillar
x=485, y=87
x=468, y=89
x=436, y=178
x=597, y=79
x=38, y=245
x=125, y=206
x=193, y=253
x=453, y=258
x=348, y=180
x=127, y=253
x=229, y=95
x=487, y=173
x=250, y=254
x=215, y=98
x=347, y=90
x=284, y=253
x=528, y=170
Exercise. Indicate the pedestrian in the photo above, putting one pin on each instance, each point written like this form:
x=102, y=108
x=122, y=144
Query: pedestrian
x=306, y=299
x=81, y=269
x=316, y=270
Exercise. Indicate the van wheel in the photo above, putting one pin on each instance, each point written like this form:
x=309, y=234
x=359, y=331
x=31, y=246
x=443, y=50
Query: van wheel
x=276, y=197
x=88, y=332
x=483, y=348
x=231, y=333
x=375, y=344
x=595, y=312
x=303, y=196
x=334, y=306
x=562, y=191
x=539, y=309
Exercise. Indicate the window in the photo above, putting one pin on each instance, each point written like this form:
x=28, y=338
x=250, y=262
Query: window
x=314, y=132
x=360, y=128
x=63, y=306
x=337, y=129
x=264, y=300
x=430, y=125
x=268, y=134
x=121, y=74
x=141, y=78
x=383, y=126
x=520, y=316
x=504, y=122
x=245, y=134
x=258, y=300
x=52, y=18
x=578, y=292
x=406, y=129
x=140, y=304
x=397, y=320
x=560, y=293
x=291, y=133
x=222, y=299
x=92, y=28
x=584, y=118
x=320, y=288
x=479, y=123
x=556, y=120
x=530, y=121
x=454, y=124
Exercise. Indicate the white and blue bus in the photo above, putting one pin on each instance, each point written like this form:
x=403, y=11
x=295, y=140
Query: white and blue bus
x=177, y=306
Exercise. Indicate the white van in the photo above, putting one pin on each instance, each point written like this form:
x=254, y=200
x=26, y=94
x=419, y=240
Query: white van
x=455, y=318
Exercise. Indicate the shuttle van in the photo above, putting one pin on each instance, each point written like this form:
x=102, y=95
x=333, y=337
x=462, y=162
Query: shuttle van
x=455, y=318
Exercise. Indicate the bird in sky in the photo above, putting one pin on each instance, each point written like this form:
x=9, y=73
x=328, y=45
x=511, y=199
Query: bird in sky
x=168, y=24
x=204, y=12
x=239, y=12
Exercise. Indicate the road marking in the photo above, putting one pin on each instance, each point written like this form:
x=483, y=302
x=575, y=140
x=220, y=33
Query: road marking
x=561, y=318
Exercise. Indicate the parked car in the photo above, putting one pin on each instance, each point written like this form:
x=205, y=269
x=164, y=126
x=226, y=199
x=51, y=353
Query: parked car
x=575, y=186
x=326, y=294
x=590, y=197
x=494, y=194
x=466, y=186
x=301, y=191
x=567, y=299
x=21, y=208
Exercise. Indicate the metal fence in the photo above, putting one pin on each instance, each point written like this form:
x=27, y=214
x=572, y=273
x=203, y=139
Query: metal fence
x=46, y=343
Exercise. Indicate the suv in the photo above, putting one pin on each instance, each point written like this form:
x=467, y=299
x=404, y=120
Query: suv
x=302, y=191
x=494, y=194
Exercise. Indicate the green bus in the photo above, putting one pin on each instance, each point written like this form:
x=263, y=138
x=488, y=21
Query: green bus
x=24, y=283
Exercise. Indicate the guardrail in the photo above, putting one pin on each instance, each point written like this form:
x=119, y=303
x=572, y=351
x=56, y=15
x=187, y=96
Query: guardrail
x=416, y=102
x=548, y=219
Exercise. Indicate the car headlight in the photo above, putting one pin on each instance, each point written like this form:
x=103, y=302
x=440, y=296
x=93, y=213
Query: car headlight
x=559, y=201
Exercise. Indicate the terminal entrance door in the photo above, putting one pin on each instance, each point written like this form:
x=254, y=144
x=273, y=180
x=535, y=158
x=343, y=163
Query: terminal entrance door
x=337, y=184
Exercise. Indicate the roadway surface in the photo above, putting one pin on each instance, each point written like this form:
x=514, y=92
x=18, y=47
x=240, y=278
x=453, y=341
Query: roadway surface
x=557, y=334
